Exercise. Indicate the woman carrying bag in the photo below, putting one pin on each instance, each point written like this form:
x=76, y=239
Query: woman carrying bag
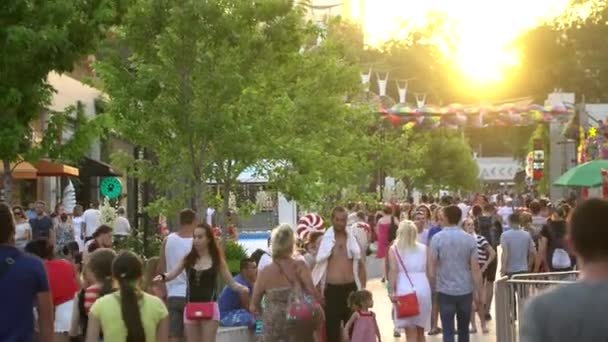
x=203, y=265
x=408, y=276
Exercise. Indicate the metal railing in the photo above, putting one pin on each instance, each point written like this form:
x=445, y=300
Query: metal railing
x=512, y=294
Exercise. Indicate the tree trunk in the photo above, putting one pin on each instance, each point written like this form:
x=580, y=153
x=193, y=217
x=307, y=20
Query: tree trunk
x=7, y=181
x=200, y=201
x=225, y=209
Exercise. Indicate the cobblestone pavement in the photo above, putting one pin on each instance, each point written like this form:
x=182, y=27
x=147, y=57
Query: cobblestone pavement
x=382, y=309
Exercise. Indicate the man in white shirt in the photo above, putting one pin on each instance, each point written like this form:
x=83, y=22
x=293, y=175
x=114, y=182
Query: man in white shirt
x=92, y=220
x=174, y=248
x=122, y=227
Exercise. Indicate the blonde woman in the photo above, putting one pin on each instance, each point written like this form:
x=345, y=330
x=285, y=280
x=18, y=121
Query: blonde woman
x=276, y=283
x=408, y=273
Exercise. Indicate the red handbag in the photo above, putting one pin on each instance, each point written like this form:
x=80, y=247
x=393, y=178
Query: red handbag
x=407, y=305
x=199, y=311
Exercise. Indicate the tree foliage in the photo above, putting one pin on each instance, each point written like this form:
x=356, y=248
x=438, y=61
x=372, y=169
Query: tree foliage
x=36, y=38
x=212, y=88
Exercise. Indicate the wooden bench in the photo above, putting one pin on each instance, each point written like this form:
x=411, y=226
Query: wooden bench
x=235, y=334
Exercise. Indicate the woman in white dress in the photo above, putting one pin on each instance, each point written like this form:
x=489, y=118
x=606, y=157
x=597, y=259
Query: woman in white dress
x=407, y=253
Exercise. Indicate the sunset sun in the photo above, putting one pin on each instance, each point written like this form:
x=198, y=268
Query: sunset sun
x=482, y=32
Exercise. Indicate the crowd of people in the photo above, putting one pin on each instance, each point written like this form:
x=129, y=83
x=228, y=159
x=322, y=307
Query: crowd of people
x=439, y=263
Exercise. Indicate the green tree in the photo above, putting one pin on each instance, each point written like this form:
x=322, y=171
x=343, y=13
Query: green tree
x=36, y=38
x=448, y=162
x=213, y=88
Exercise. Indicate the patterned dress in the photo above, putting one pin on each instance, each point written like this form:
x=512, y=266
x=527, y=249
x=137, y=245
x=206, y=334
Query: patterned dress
x=274, y=319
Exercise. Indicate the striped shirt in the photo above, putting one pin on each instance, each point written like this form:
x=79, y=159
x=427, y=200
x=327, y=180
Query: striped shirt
x=90, y=296
x=482, y=256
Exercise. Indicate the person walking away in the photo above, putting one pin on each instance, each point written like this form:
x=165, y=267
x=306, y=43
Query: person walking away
x=234, y=306
x=92, y=220
x=454, y=268
x=362, y=325
x=63, y=283
x=490, y=228
x=408, y=273
x=78, y=226
x=340, y=270
x=128, y=314
x=173, y=250
x=538, y=220
x=518, y=251
x=281, y=281
x=203, y=266
x=485, y=255
x=362, y=231
x=553, y=249
x=386, y=227
x=23, y=282
x=23, y=230
x=42, y=224
x=576, y=312
x=98, y=273
x=313, y=242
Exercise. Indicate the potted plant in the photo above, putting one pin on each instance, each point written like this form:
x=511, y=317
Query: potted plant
x=234, y=252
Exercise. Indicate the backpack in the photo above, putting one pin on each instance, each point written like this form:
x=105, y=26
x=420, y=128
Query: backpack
x=487, y=228
x=560, y=258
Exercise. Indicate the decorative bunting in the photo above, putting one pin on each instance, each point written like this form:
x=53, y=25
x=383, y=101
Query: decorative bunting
x=382, y=83
x=420, y=100
x=402, y=89
x=365, y=78
x=457, y=115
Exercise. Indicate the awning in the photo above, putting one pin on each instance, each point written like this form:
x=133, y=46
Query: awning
x=24, y=170
x=95, y=168
x=48, y=168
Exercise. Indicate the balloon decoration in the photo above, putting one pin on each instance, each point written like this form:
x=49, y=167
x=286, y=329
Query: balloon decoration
x=457, y=115
x=309, y=223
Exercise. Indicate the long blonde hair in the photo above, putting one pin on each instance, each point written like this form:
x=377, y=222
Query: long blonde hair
x=407, y=233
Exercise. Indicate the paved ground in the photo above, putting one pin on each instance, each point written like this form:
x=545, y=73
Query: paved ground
x=382, y=307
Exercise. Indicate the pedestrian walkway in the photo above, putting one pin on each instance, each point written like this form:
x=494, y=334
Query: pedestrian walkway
x=382, y=309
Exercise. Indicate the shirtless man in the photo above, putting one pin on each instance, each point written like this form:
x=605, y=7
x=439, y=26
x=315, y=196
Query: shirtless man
x=340, y=278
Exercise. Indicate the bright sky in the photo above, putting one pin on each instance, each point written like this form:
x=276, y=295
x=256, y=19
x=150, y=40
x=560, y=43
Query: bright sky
x=482, y=29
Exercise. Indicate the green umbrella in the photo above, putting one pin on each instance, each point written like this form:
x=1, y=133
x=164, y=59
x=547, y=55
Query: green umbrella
x=588, y=175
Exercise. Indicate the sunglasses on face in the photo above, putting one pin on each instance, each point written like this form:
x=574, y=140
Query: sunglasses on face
x=17, y=213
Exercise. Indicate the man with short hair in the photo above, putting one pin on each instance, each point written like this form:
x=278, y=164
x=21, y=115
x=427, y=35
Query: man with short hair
x=92, y=220
x=454, y=269
x=576, y=312
x=174, y=248
x=23, y=284
x=42, y=224
x=421, y=220
x=234, y=306
x=340, y=270
x=518, y=250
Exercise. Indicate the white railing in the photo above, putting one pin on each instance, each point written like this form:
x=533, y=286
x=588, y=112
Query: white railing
x=512, y=295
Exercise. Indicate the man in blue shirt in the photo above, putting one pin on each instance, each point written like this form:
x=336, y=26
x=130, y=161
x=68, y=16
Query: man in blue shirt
x=233, y=305
x=23, y=285
x=454, y=269
x=42, y=223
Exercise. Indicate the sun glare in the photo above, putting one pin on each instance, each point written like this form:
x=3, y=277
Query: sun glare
x=483, y=30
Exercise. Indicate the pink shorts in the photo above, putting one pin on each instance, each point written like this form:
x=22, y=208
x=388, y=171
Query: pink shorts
x=216, y=315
